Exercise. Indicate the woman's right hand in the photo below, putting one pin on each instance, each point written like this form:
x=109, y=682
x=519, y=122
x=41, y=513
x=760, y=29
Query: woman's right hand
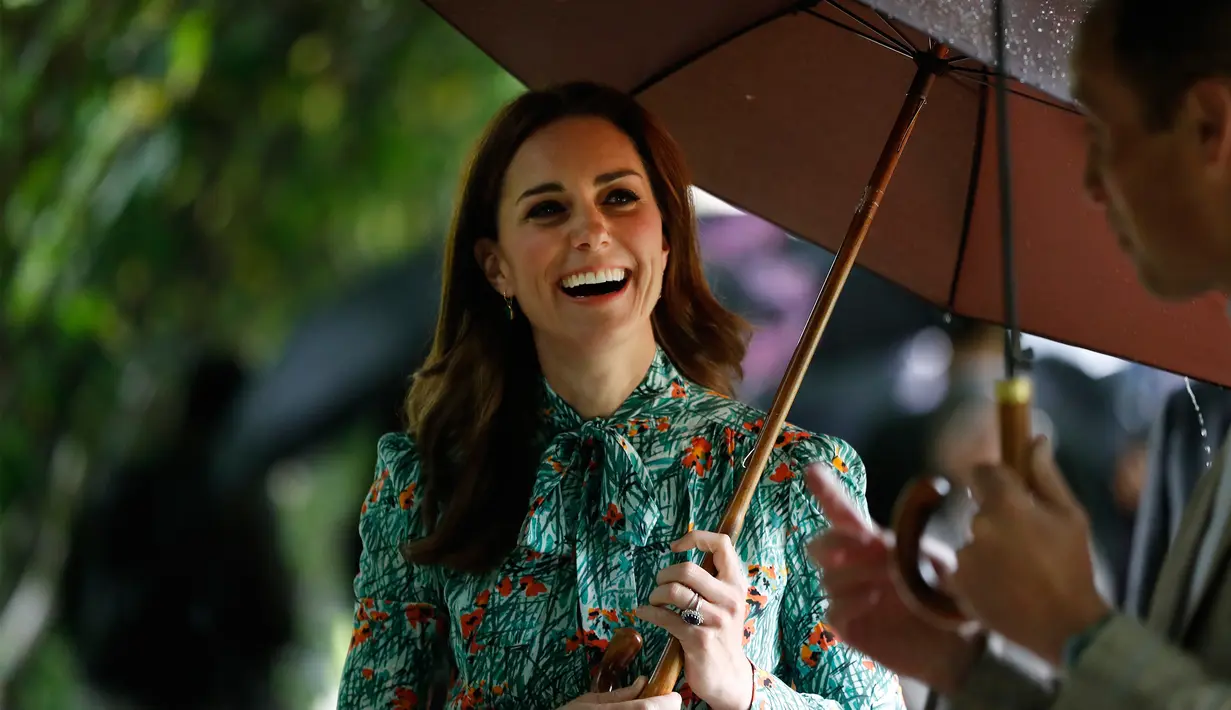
x=626, y=699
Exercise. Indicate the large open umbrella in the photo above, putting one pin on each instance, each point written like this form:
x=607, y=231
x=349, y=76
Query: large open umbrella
x=784, y=106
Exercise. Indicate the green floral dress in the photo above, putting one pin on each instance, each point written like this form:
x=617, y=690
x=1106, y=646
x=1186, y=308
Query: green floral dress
x=608, y=499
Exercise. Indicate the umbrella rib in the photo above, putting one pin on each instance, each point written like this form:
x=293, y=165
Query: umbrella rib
x=972, y=188
x=983, y=78
x=889, y=45
x=905, y=47
x=896, y=30
x=668, y=71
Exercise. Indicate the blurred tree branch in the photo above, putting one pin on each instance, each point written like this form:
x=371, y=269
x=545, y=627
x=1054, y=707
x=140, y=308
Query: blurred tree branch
x=184, y=172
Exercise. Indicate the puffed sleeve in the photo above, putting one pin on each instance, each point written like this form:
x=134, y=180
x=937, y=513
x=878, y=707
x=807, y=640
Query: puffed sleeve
x=818, y=671
x=399, y=644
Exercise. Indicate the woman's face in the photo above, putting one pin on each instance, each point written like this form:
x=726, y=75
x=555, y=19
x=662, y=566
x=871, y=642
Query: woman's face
x=580, y=242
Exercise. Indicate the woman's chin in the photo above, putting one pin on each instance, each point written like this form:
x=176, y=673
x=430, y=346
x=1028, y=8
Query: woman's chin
x=601, y=330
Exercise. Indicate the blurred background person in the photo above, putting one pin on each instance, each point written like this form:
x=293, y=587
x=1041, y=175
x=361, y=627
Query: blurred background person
x=173, y=596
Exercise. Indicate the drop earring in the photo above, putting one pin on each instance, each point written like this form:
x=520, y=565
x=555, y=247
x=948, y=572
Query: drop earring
x=508, y=305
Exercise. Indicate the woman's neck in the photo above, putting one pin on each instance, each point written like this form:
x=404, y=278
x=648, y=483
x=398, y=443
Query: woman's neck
x=596, y=382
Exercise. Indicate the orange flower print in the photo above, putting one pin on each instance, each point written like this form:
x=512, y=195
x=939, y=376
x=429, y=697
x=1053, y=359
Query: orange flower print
x=374, y=491
x=470, y=621
x=698, y=459
x=362, y=632
x=479, y=695
x=819, y=641
x=418, y=613
x=613, y=516
x=674, y=445
x=638, y=427
x=587, y=639
x=405, y=699
x=761, y=679
x=406, y=498
x=728, y=435
x=769, y=571
x=824, y=637
x=532, y=587
x=608, y=614
x=756, y=600
x=790, y=436
x=782, y=473
x=470, y=697
x=690, y=698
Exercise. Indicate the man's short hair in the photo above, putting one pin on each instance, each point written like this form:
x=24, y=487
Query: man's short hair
x=1163, y=47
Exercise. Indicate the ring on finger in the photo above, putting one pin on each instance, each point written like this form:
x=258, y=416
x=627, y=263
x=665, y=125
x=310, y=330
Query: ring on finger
x=692, y=615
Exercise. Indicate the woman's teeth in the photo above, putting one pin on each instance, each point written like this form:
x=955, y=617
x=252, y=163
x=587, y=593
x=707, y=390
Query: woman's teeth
x=593, y=277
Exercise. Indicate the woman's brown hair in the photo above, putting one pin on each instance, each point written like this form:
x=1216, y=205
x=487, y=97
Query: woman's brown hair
x=473, y=408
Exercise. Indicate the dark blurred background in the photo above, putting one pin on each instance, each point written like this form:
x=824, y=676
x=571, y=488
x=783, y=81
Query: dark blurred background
x=220, y=227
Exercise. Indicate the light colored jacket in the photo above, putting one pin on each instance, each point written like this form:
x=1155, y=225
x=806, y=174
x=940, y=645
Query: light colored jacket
x=1175, y=660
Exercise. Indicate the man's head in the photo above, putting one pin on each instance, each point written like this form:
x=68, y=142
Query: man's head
x=1154, y=80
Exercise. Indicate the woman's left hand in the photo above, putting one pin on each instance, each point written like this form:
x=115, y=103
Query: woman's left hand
x=715, y=665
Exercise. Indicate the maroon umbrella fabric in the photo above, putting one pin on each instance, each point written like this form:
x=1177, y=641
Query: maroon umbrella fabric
x=784, y=107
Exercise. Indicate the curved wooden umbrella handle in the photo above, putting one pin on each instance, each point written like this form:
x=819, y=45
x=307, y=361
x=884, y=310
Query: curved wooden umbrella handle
x=924, y=497
x=624, y=646
x=929, y=65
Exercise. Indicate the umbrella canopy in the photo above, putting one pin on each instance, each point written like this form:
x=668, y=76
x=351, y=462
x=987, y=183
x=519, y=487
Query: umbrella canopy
x=783, y=108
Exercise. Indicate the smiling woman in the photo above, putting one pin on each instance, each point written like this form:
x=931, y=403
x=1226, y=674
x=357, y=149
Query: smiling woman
x=582, y=248
x=571, y=440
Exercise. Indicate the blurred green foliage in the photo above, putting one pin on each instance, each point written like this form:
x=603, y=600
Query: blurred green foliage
x=178, y=173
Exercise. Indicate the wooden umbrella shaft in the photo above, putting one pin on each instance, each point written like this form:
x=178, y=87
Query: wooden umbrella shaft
x=671, y=663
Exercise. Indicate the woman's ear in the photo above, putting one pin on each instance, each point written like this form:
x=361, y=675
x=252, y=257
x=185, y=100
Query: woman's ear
x=487, y=254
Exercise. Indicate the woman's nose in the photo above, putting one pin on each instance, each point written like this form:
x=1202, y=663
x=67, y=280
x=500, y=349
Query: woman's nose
x=590, y=231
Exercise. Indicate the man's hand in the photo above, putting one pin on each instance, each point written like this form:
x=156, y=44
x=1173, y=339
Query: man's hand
x=864, y=607
x=1027, y=572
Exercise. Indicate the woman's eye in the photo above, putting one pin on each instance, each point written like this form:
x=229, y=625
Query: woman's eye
x=545, y=209
x=622, y=197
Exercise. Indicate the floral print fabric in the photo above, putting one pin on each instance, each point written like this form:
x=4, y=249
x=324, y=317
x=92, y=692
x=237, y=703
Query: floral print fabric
x=608, y=499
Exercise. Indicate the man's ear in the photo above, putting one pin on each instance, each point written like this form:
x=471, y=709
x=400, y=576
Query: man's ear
x=487, y=254
x=1209, y=106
